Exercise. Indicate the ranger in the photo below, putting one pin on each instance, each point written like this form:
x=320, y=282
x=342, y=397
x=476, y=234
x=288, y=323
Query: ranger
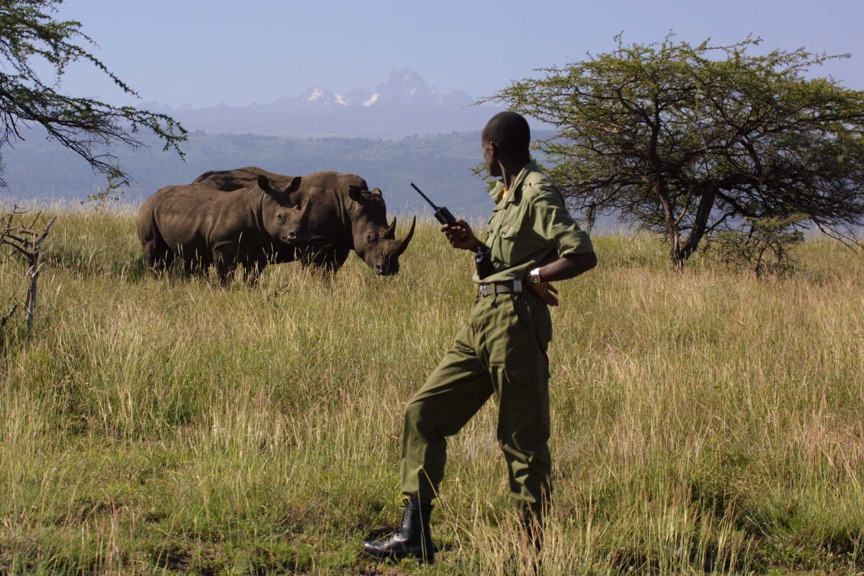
x=532, y=240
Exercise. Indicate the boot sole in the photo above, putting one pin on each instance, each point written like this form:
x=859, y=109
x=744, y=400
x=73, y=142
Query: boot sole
x=407, y=553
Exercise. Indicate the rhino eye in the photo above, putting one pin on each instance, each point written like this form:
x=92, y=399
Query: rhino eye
x=370, y=239
x=280, y=218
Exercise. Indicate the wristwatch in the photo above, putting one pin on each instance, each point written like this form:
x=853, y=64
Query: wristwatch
x=534, y=276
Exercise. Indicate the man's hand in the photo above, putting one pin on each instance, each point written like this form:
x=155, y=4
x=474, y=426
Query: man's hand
x=460, y=235
x=561, y=269
x=546, y=291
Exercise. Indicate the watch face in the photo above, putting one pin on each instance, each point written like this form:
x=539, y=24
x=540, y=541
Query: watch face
x=535, y=276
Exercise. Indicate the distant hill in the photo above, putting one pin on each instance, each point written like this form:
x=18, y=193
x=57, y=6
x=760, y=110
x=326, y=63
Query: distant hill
x=441, y=165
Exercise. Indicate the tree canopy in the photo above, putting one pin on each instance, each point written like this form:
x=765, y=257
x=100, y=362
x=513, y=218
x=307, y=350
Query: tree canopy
x=692, y=141
x=30, y=37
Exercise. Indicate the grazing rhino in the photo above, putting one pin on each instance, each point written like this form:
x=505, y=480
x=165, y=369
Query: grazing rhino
x=344, y=215
x=205, y=227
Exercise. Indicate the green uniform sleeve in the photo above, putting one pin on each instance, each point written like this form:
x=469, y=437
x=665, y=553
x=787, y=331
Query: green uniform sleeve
x=552, y=221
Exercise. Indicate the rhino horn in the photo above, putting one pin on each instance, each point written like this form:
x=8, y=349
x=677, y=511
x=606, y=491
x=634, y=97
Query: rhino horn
x=390, y=231
x=304, y=210
x=403, y=244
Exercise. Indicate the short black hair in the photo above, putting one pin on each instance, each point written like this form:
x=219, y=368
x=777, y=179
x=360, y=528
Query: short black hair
x=509, y=131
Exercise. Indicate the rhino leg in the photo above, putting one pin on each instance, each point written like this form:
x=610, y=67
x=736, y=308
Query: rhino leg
x=254, y=268
x=195, y=262
x=225, y=259
x=327, y=259
x=157, y=256
x=194, y=266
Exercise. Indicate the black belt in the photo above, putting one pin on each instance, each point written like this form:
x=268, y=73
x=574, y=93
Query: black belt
x=492, y=288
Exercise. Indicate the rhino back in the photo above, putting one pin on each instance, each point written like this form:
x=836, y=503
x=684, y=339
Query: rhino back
x=195, y=216
x=247, y=177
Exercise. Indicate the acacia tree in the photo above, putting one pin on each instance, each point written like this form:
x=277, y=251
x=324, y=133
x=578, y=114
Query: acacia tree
x=689, y=142
x=31, y=37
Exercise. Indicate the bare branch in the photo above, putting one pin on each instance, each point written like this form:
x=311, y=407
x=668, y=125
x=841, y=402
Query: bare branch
x=27, y=242
x=8, y=315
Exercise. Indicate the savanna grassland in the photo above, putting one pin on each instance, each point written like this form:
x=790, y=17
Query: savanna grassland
x=704, y=422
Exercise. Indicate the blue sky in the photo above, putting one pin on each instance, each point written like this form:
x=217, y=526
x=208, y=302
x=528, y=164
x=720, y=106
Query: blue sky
x=203, y=52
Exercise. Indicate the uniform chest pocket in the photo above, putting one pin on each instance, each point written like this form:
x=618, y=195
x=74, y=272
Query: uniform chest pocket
x=508, y=232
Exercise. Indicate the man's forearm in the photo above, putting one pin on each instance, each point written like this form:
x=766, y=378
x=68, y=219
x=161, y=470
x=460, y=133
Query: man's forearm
x=568, y=267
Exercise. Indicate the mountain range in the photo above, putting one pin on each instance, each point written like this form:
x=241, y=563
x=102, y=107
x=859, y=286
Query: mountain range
x=403, y=105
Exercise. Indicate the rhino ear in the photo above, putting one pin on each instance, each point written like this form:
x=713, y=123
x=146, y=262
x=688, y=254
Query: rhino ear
x=295, y=184
x=264, y=183
x=356, y=194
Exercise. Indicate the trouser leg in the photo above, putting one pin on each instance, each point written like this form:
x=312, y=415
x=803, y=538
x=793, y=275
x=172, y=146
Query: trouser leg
x=452, y=394
x=520, y=372
x=523, y=434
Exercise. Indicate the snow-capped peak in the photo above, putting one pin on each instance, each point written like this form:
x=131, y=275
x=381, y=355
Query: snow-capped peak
x=316, y=94
x=403, y=87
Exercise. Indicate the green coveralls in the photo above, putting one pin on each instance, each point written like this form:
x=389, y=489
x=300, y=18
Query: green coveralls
x=502, y=350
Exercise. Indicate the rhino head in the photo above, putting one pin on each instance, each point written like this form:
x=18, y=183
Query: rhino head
x=279, y=217
x=374, y=240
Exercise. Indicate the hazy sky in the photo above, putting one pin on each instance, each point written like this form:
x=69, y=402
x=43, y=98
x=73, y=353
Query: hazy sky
x=203, y=52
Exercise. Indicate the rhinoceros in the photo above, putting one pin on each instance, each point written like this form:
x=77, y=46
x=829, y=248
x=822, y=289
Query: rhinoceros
x=206, y=227
x=344, y=215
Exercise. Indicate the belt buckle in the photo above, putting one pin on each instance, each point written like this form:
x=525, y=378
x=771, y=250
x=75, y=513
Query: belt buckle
x=483, y=290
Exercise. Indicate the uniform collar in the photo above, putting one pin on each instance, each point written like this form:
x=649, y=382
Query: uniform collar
x=497, y=192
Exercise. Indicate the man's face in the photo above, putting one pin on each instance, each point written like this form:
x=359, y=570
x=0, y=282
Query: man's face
x=489, y=157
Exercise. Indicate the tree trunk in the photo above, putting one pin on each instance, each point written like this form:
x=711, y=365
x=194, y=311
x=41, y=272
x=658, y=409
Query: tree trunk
x=33, y=274
x=700, y=223
x=679, y=253
x=673, y=235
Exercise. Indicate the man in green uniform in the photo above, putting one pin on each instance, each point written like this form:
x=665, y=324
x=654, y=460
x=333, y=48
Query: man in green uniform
x=532, y=240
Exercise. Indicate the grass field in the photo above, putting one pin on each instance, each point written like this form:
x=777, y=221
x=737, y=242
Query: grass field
x=704, y=422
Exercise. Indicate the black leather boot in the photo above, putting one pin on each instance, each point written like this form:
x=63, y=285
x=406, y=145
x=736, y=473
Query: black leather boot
x=412, y=540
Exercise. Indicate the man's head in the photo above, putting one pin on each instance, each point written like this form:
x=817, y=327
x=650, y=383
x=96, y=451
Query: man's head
x=506, y=138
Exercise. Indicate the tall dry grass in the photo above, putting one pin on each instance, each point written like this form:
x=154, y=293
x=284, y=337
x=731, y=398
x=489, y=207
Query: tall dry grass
x=702, y=422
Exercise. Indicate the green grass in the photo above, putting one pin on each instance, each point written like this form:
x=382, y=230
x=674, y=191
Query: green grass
x=704, y=422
